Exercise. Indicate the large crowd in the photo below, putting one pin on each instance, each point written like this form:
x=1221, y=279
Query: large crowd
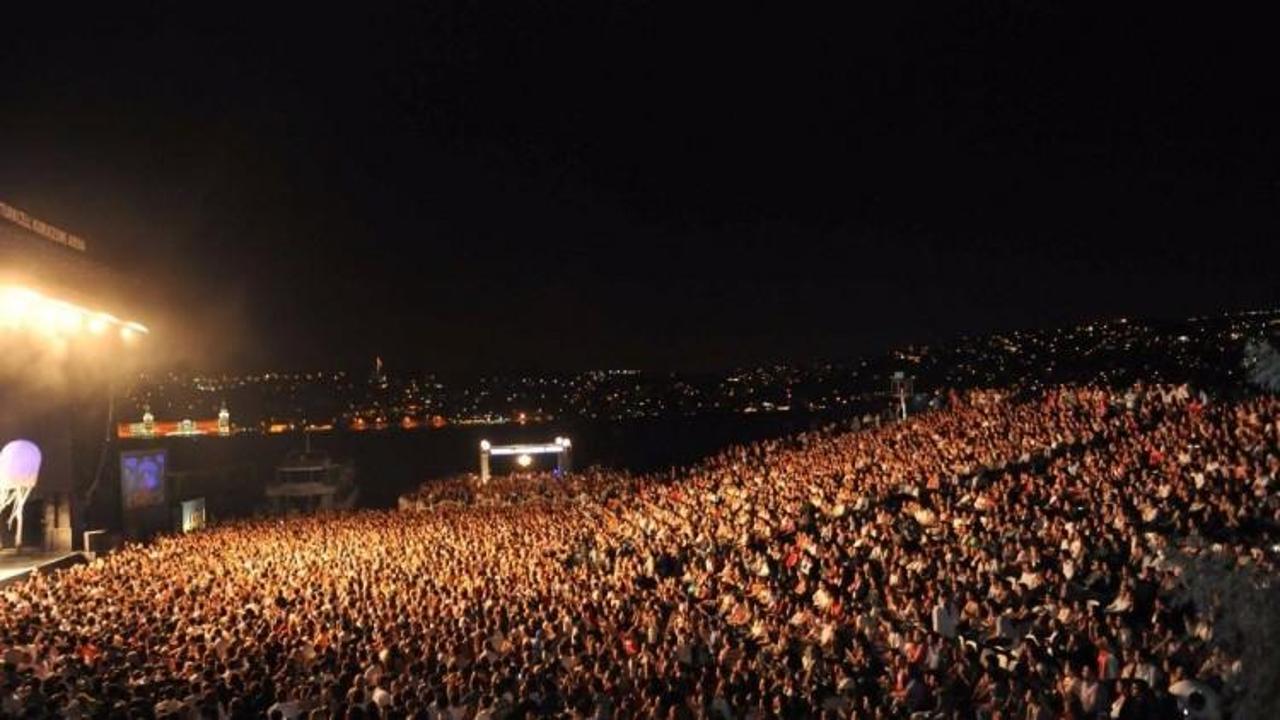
x=518, y=488
x=1003, y=557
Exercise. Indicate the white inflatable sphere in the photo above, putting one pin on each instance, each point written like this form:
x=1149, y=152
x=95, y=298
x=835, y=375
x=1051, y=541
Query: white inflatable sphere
x=19, y=464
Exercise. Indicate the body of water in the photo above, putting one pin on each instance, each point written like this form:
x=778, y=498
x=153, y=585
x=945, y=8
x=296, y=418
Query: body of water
x=232, y=472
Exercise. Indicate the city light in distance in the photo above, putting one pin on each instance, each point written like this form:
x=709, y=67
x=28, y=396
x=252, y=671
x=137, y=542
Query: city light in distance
x=22, y=308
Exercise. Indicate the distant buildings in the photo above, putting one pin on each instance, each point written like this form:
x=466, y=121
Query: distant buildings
x=1204, y=350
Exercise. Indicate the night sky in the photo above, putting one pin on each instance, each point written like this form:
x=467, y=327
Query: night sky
x=562, y=185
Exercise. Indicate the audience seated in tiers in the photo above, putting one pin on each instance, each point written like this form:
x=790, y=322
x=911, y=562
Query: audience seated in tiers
x=517, y=488
x=1000, y=558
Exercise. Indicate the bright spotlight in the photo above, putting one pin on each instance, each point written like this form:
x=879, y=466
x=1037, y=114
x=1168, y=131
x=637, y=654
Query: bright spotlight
x=130, y=331
x=484, y=445
x=45, y=316
x=524, y=461
x=21, y=307
x=67, y=318
x=99, y=323
x=15, y=305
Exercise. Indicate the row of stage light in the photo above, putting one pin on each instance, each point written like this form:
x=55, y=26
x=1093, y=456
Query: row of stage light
x=22, y=308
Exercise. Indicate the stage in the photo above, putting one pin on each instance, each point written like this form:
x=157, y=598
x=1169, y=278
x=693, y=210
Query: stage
x=16, y=566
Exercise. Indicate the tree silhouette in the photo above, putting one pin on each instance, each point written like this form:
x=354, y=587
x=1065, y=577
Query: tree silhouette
x=1243, y=604
x=1262, y=364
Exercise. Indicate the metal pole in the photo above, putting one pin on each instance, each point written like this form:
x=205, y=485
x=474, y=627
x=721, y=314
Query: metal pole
x=106, y=445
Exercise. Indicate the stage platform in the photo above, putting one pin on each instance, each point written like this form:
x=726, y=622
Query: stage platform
x=15, y=566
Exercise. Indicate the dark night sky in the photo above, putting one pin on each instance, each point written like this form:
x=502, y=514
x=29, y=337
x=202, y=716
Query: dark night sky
x=577, y=184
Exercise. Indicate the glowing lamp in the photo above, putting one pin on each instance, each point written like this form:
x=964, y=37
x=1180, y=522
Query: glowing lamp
x=130, y=331
x=525, y=460
x=15, y=305
x=484, y=445
x=21, y=307
x=99, y=323
x=67, y=318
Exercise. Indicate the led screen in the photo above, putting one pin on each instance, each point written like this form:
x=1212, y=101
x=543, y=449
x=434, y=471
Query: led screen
x=142, y=478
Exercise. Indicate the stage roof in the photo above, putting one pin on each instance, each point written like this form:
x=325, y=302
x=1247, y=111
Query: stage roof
x=48, y=260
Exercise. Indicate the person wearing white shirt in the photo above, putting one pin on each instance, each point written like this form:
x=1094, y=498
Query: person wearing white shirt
x=945, y=618
x=382, y=698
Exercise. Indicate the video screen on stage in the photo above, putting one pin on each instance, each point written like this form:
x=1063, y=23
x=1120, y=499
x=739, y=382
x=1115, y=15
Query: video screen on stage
x=142, y=478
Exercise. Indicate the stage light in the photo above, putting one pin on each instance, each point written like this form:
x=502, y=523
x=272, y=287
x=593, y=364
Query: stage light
x=21, y=307
x=43, y=317
x=67, y=318
x=524, y=461
x=484, y=445
x=99, y=323
x=131, y=331
x=15, y=305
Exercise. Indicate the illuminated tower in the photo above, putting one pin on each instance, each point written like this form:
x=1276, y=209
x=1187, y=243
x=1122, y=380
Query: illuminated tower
x=379, y=377
x=224, y=420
